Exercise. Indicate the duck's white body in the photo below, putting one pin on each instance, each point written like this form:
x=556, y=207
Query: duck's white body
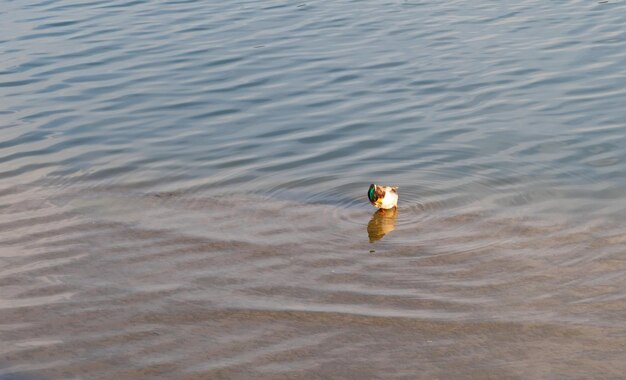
x=390, y=200
x=384, y=197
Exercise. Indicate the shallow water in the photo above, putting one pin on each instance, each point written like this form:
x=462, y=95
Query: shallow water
x=184, y=185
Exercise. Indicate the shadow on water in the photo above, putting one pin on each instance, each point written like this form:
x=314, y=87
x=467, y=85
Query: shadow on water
x=18, y=376
x=382, y=223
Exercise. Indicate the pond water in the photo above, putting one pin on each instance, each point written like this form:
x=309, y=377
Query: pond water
x=183, y=189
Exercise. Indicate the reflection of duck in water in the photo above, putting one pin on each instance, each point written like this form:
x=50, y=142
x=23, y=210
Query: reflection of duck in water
x=382, y=223
x=383, y=197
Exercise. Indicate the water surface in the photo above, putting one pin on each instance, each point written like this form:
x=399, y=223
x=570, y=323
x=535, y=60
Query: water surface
x=183, y=189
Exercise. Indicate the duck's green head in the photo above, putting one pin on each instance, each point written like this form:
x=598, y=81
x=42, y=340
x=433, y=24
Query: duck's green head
x=371, y=193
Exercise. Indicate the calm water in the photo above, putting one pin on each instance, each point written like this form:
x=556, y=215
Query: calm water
x=183, y=187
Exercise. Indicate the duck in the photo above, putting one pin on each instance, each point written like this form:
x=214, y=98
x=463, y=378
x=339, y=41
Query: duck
x=383, y=197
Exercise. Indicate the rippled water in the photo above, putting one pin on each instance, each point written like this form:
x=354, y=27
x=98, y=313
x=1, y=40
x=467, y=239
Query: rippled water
x=183, y=189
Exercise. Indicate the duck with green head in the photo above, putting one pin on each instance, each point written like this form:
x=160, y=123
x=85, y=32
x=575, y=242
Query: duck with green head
x=383, y=197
